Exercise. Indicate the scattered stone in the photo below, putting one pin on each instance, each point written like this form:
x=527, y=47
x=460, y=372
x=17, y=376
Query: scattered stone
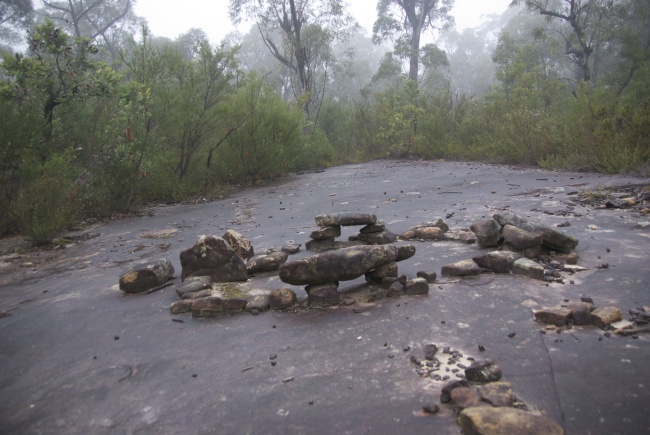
x=423, y=233
x=194, y=284
x=376, y=295
x=430, y=276
x=497, y=393
x=282, y=299
x=505, y=420
x=497, y=261
x=529, y=268
x=212, y=256
x=180, y=307
x=416, y=286
x=266, y=263
x=604, y=316
x=258, y=303
x=461, y=268
x=395, y=290
x=553, y=316
x=146, y=276
x=552, y=237
x=483, y=371
x=571, y=258
x=487, y=231
x=323, y=295
x=291, y=248
x=430, y=351
x=215, y=306
x=387, y=271
x=431, y=409
x=240, y=244
x=345, y=219
x=521, y=239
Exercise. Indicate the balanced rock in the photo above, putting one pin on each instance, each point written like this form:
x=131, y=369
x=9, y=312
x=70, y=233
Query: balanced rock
x=345, y=219
x=461, y=268
x=497, y=261
x=505, y=420
x=146, y=276
x=521, y=239
x=239, y=243
x=552, y=238
x=212, y=256
x=266, y=263
x=339, y=265
x=487, y=231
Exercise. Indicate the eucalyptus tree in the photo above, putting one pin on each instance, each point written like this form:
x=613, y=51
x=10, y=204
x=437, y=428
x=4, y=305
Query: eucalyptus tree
x=306, y=30
x=405, y=21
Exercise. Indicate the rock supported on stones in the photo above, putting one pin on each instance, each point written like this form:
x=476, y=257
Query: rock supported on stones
x=240, y=244
x=328, y=232
x=266, y=263
x=146, y=276
x=552, y=238
x=345, y=219
x=487, y=231
x=497, y=261
x=339, y=265
x=498, y=421
x=212, y=256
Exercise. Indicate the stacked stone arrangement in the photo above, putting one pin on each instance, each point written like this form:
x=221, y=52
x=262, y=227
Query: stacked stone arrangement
x=373, y=232
x=522, y=247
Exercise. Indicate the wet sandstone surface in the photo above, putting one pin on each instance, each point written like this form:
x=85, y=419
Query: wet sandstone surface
x=78, y=356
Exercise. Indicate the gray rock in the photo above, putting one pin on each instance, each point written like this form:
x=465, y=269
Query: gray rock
x=339, y=265
x=483, y=371
x=423, y=233
x=487, y=231
x=521, y=239
x=461, y=268
x=387, y=281
x=496, y=393
x=404, y=252
x=196, y=295
x=430, y=276
x=581, y=313
x=430, y=351
x=194, y=284
x=212, y=256
x=258, y=303
x=266, y=263
x=382, y=238
x=376, y=295
x=180, y=307
x=345, y=219
x=529, y=268
x=317, y=245
x=464, y=236
x=291, y=248
x=416, y=286
x=146, y=276
x=557, y=316
x=377, y=227
x=505, y=420
x=445, y=393
x=387, y=271
x=239, y=243
x=282, y=299
x=465, y=397
x=327, y=232
x=497, y=261
x=215, y=306
x=395, y=290
x=323, y=295
x=552, y=238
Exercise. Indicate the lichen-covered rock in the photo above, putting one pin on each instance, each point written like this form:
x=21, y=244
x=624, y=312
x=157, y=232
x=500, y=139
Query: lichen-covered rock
x=558, y=316
x=240, y=244
x=146, y=276
x=212, y=256
x=345, y=219
x=180, y=307
x=496, y=393
x=327, y=232
x=483, y=371
x=499, y=421
x=497, y=261
x=282, y=299
x=215, y=306
x=258, y=303
x=521, y=239
x=339, y=265
x=266, y=263
x=604, y=316
x=552, y=237
x=487, y=231
x=381, y=238
x=323, y=295
x=461, y=268
x=529, y=268
x=416, y=286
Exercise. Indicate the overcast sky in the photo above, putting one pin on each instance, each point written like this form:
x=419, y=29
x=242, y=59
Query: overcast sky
x=171, y=19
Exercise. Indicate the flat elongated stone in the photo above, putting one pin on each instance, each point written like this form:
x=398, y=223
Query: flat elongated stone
x=266, y=263
x=315, y=245
x=327, y=232
x=212, y=256
x=382, y=238
x=196, y=295
x=552, y=237
x=497, y=261
x=146, y=276
x=553, y=316
x=339, y=265
x=529, y=268
x=461, y=268
x=499, y=421
x=194, y=284
x=521, y=239
x=345, y=219
x=377, y=227
x=215, y=306
x=180, y=307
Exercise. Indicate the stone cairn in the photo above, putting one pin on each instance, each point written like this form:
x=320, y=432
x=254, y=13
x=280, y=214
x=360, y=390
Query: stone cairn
x=373, y=232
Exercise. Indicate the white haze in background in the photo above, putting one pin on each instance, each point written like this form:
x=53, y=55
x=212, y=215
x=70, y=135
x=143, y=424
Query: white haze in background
x=171, y=19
